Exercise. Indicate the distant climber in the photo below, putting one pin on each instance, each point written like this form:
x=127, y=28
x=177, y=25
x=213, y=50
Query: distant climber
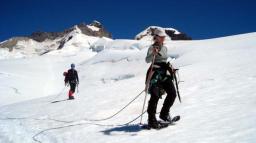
x=71, y=78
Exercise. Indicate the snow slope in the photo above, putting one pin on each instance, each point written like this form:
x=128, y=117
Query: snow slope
x=20, y=73
x=217, y=87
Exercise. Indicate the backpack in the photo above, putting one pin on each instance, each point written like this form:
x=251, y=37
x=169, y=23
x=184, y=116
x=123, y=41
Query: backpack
x=65, y=73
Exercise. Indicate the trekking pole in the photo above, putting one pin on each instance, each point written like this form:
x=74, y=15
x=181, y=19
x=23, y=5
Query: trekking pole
x=179, y=78
x=77, y=88
x=147, y=85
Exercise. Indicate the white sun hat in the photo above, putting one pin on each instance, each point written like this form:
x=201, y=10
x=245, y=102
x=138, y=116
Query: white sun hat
x=158, y=32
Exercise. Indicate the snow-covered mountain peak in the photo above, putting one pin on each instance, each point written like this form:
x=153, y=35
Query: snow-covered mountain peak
x=95, y=25
x=171, y=34
x=40, y=43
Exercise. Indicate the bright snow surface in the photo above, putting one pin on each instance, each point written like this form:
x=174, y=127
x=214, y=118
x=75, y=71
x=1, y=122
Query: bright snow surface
x=217, y=87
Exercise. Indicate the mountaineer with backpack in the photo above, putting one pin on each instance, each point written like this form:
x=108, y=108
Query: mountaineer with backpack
x=71, y=78
x=158, y=81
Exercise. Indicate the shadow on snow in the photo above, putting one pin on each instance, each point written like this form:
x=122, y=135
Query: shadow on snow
x=126, y=128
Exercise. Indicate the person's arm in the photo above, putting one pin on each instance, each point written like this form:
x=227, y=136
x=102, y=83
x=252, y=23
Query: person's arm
x=163, y=51
x=150, y=54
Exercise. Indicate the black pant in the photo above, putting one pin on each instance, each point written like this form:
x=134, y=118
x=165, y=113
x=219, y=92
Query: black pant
x=168, y=86
x=72, y=86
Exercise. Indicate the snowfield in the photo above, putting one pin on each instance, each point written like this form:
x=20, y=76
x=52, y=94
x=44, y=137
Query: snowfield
x=217, y=86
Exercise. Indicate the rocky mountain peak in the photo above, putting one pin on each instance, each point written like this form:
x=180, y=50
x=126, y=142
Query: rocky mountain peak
x=94, y=29
x=96, y=24
x=171, y=34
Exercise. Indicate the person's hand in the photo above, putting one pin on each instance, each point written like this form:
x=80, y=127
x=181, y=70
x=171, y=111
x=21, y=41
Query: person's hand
x=155, y=51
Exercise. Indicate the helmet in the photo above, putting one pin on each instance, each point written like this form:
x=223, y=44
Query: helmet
x=72, y=65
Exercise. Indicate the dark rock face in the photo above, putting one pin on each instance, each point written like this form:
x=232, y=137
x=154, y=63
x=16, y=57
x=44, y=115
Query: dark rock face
x=12, y=42
x=87, y=31
x=42, y=36
x=63, y=42
x=180, y=36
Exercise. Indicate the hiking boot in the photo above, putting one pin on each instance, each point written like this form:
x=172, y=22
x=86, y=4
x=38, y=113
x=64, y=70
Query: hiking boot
x=71, y=98
x=153, y=123
x=165, y=117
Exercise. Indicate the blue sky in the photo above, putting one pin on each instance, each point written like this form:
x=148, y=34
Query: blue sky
x=200, y=19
